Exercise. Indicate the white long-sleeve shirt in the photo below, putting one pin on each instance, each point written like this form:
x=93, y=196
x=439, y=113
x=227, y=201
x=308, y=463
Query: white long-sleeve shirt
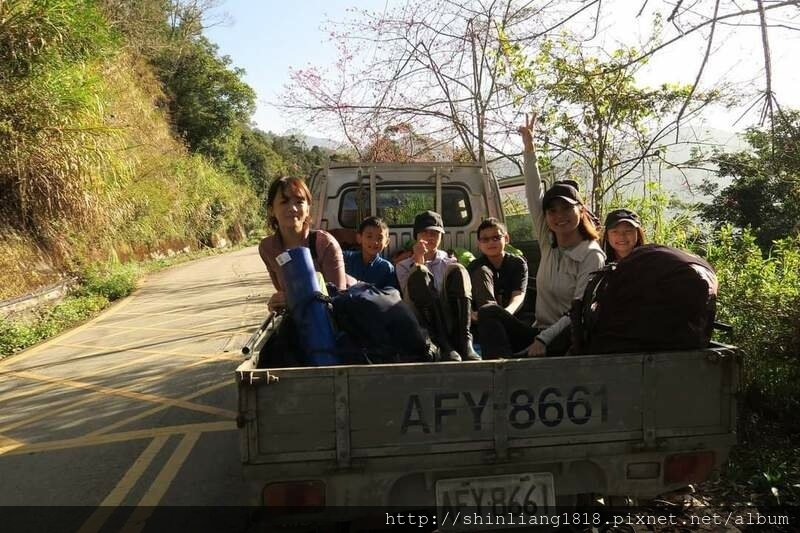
x=563, y=272
x=437, y=266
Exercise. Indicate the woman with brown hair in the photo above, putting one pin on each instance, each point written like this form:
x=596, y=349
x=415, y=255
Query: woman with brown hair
x=570, y=252
x=289, y=216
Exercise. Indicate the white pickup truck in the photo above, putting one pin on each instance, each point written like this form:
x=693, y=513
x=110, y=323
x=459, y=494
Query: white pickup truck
x=503, y=435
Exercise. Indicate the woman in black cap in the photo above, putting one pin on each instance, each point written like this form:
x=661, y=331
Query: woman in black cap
x=623, y=232
x=570, y=252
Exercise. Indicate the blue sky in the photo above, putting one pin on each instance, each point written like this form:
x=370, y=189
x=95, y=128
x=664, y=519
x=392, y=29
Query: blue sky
x=266, y=37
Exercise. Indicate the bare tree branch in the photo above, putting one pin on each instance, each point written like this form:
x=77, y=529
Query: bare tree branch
x=699, y=73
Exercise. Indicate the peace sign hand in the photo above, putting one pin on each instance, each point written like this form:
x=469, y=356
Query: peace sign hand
x=527, y=130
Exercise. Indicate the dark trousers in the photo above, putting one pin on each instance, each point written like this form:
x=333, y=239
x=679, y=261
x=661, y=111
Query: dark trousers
x=501, y=334
x=482, y=287
x=445, y=313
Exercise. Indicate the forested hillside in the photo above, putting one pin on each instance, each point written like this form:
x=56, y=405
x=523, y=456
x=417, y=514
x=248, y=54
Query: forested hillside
x=123, y=133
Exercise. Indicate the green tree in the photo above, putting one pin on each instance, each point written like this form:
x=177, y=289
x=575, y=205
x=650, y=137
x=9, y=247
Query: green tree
x=208, y=98
x=764, y=193
x=600, y=124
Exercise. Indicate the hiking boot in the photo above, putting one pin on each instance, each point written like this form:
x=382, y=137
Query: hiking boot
x=462, y=334
x=437, y=330
x=471, y=354
x=452, y=355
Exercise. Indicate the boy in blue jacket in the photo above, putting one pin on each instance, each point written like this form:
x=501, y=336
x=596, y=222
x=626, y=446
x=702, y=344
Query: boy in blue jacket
x=367, y=264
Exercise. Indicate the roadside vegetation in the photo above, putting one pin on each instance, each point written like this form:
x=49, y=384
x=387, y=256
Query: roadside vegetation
x=124, y=135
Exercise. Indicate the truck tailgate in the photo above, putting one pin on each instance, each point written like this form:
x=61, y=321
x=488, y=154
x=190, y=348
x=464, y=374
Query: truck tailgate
x=338, y=414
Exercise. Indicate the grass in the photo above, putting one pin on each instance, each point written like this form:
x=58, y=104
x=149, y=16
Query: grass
x=764, y=468
x=99, y=286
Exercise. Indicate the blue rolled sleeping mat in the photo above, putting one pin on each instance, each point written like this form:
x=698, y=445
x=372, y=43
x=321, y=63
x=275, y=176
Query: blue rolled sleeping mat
x=309, y=312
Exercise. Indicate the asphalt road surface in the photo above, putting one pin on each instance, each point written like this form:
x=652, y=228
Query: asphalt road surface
x=133, y=412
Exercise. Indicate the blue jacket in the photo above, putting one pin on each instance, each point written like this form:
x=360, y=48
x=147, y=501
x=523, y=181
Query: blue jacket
x=379, y=271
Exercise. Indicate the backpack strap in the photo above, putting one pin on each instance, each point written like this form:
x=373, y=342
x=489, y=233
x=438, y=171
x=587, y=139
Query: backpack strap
x=312, y=244
x=583, y=313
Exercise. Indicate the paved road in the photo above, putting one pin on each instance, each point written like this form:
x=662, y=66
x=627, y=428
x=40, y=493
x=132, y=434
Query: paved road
x=137, y=407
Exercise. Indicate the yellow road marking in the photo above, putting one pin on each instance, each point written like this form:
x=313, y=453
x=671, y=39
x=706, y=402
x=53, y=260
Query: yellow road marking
x=46, y=344
x=150, y=500
x=198, y=327
x=124, y=329
x=36, y=391
x=167, y=474
x=162, y=352
x=127, y=394
x=128, y=481
x=149, y=433
x=171, y=319
x=177, y=313
x=127, y=329
x=48, y=411
x=225, y=333
x=121, y=348
x=154, y=410
x=7, y=444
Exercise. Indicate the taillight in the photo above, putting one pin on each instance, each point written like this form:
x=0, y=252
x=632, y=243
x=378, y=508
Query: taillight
x=295, y=494
x=688, y=467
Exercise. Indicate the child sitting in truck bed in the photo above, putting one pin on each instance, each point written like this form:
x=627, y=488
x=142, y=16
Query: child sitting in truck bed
x=622, y=233
x=440, y=290
x=367, y=264
x=498, y=279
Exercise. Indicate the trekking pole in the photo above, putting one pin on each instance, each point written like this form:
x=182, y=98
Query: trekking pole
x=249, y=346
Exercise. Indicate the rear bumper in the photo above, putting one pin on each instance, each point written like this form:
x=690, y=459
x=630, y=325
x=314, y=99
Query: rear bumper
x=366, y=486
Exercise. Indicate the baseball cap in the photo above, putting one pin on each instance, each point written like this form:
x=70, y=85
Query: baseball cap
x=428, y=220
x=565, y=190
x=622, y=215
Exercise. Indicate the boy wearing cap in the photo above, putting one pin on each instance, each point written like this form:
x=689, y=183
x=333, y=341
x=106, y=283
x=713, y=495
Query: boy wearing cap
x=623, y=232
x=439, y=289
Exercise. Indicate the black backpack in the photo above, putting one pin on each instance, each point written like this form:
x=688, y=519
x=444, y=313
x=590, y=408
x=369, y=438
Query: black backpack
x=657, y=298
x=378, y=327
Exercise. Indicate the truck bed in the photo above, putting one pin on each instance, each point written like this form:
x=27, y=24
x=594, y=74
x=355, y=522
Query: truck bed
x=584, y=419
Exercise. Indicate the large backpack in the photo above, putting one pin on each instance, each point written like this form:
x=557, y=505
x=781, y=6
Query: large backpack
x=656, y=298
x=379, y=327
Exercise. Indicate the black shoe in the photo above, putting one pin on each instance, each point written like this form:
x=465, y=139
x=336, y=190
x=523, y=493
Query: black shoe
x=438, y=333
x=452, y=355
x=472, y=355
x=462, y=340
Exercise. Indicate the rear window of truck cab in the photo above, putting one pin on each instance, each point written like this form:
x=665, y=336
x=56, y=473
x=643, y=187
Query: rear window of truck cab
x=398, y=205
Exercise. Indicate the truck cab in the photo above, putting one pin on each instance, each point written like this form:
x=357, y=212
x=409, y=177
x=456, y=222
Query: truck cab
x=464, y=194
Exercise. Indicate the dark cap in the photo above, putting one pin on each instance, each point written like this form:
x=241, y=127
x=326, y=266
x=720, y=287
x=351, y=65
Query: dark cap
x=428, y=220
x=622, y=215
x=565, y=191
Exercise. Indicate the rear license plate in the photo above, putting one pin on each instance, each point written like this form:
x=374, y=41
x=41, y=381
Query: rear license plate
x=489, y=502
